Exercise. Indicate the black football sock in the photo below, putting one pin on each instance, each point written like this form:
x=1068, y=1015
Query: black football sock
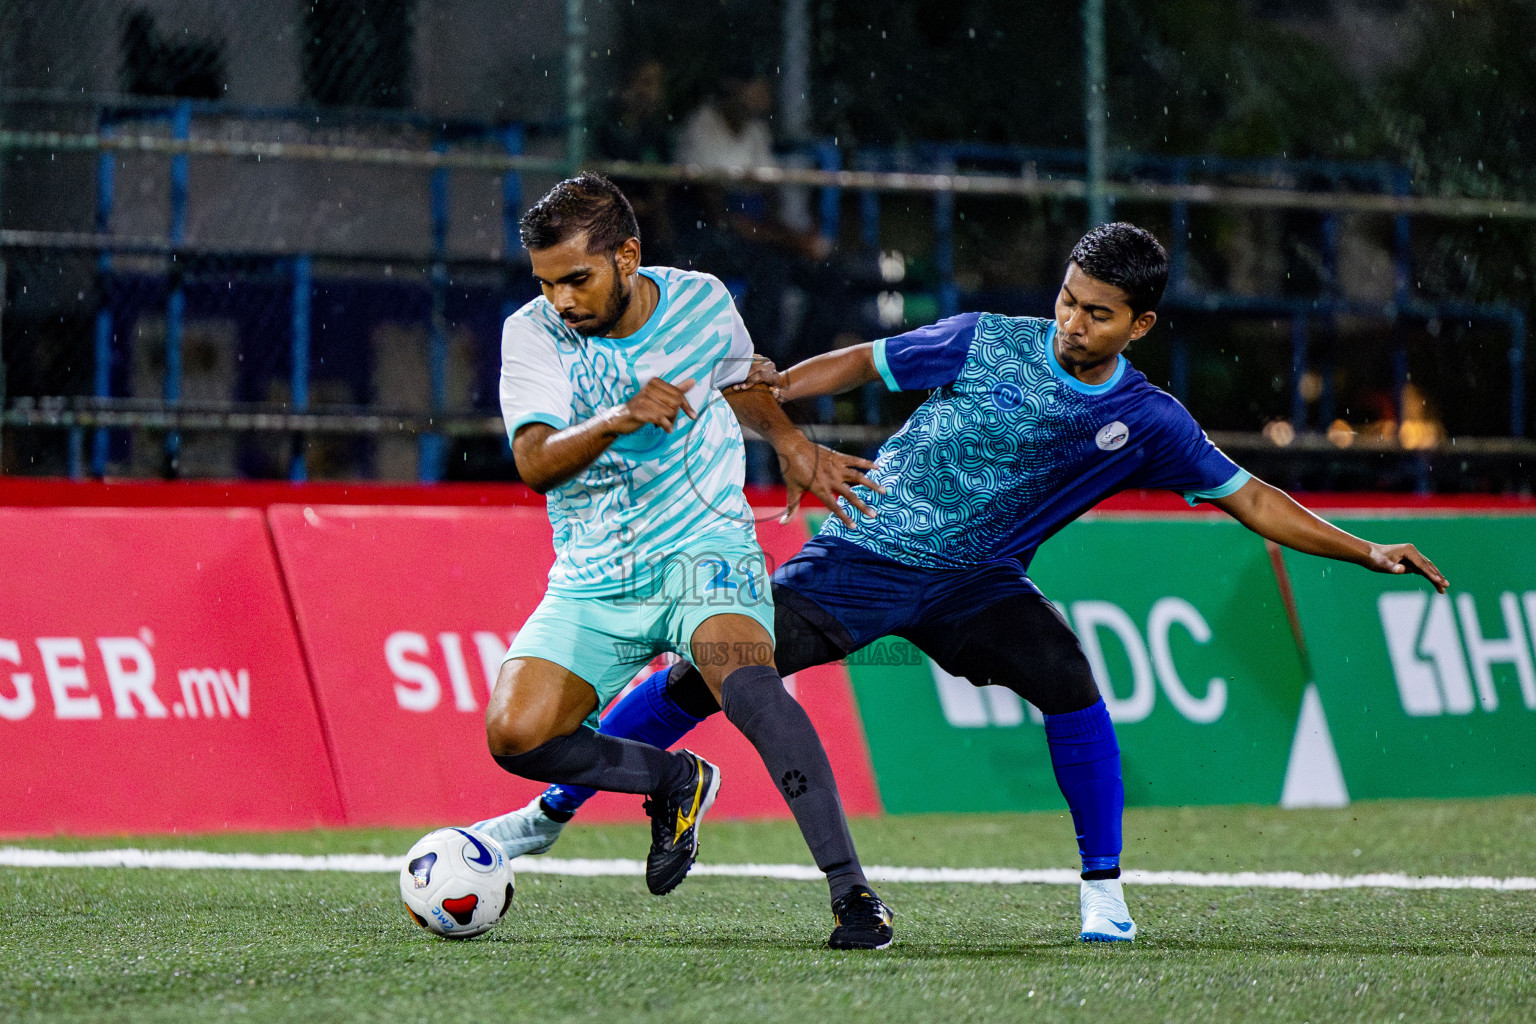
x=555, y=814
x=756, y=702
x=588, y=758
x=687, y=690
x=647, y=714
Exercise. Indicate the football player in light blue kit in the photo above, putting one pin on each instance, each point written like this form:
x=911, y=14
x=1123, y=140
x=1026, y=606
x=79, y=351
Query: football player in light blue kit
x=610, y=390
x=1031, y=422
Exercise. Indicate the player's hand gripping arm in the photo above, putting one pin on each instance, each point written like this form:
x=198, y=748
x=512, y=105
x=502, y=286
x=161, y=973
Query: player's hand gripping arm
x=830, y=373
x=547, y=458
x=806, y=466
x=1274, y=515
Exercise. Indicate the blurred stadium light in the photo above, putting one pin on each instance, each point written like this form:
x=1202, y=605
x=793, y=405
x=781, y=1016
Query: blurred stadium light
x=296, y=273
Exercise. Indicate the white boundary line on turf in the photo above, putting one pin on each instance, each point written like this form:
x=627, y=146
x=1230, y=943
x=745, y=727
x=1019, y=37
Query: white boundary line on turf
x=373, y=863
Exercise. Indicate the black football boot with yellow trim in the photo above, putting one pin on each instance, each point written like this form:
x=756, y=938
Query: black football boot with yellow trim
x=863, y=922
x=675, y=818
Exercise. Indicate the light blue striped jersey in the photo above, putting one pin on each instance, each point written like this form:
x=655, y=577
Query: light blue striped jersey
x=651, y=493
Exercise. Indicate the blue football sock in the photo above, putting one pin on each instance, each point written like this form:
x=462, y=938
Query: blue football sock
x=645, y=714
x=1087, y=762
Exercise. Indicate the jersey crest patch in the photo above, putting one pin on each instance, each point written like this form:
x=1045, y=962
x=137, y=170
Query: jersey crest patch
x=1007, y=396
x=1112, y=436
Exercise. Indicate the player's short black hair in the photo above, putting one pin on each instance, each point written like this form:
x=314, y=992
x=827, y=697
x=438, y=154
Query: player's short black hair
x=1127, y=257
x=588, y=203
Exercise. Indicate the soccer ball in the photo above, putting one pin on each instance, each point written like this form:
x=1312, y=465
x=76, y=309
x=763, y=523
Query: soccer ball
x=456, y=882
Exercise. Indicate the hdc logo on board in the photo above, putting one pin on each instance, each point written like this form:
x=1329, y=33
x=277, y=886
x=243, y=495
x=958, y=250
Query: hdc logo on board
x=1152, y=668
x=67, y=666
x=1433, y=641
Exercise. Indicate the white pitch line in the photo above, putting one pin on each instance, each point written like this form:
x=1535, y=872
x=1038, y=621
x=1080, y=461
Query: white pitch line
x=374, y=863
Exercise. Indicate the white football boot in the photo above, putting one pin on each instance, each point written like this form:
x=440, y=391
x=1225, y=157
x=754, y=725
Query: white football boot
x=527, y=830
x=1105, y=917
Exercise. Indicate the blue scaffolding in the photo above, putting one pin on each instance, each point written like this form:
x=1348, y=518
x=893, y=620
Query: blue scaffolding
x=441, y=301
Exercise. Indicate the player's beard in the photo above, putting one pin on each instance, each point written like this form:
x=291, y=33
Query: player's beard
x=618, y=305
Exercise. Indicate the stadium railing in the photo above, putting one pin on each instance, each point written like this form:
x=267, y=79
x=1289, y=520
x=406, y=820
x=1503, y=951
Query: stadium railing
x=169, y=275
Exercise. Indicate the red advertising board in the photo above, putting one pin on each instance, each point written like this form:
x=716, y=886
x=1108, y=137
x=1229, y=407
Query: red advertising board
x=150, y=678
x=228, y=666
x=405, y=614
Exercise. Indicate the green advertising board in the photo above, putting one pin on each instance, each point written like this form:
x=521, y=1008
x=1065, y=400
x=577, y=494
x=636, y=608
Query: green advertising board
x=1428, y=695
x=1183, y=622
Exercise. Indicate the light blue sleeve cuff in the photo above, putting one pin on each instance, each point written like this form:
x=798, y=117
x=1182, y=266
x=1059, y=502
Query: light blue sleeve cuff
x=885, y=367
x=1232, y=486
x=535, y=417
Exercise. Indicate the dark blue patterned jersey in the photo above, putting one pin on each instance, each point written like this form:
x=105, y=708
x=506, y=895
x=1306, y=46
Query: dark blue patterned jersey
x=1009, y=447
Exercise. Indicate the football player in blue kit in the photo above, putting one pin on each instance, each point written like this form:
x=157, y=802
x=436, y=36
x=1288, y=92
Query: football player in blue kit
x=1030, y=423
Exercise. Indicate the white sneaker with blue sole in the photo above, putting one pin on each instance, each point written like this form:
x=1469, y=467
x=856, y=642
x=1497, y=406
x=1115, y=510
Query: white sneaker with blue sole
x=1105, y=917
x=525, y=831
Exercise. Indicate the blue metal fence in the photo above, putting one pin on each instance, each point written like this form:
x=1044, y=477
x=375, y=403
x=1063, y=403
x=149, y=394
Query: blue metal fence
x=125, y=297
x=946, y=158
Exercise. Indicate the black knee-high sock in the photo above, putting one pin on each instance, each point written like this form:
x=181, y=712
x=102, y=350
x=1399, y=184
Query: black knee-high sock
x=589, y=758
x=756, y=702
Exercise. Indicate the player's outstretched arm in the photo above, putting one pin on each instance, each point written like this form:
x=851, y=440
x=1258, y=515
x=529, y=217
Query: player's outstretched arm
x=830, y=373
x=806, y=466
x=547, y=458
x=1275, y=515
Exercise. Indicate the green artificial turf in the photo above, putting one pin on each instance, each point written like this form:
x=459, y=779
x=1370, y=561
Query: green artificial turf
x=143, y=945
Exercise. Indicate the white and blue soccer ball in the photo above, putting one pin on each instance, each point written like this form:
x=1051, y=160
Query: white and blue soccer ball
x=456, y=882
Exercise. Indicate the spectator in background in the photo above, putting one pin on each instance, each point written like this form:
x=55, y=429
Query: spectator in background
x=731, y=131
x=636, y=129
x=742, y=233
